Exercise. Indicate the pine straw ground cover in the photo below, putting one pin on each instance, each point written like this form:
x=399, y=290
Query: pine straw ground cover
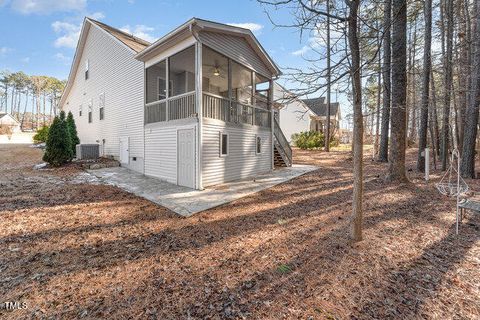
x=93, y=251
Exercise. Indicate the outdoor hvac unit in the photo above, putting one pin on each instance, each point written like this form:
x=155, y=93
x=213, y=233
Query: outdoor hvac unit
x=88, y=151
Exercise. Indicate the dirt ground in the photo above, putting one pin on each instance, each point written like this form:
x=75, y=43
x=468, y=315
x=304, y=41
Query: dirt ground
x=91, y=251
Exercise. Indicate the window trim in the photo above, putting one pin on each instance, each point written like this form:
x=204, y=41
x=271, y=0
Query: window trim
x=169, y=89
x=220, y=139
x=101, y=106
x=87, y=68
x=256, y=144
x=90, y=111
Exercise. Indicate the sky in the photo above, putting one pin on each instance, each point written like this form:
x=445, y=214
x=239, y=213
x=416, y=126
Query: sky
x=39, y=36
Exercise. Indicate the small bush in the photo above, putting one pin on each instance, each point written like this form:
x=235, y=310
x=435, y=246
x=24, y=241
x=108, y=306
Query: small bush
x=312, y=140
x=59, y=142
x=308, y=140
x=41, y=135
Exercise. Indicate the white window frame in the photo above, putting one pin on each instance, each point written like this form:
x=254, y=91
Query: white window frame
x=87, y=68
x=169, y=89
x=220, y=139
x=256, y=148
x=80, y=111
x=90, y=111
x=101, y=106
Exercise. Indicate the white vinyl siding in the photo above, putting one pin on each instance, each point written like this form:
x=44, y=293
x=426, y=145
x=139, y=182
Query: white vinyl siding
x=114, y=72
x=242, y=161
x=161, y=153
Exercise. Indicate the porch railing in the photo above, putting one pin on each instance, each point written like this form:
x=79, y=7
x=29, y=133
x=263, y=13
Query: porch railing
x=177, y=107
x=220, y=108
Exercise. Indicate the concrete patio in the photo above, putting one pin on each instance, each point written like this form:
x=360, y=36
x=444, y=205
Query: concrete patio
x=186, y=201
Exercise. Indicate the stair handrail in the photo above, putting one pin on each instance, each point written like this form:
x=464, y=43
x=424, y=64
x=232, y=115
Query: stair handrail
x=282, y=141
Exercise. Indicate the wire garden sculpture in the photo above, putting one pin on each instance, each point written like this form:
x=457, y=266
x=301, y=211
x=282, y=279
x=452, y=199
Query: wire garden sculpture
x=452, y=184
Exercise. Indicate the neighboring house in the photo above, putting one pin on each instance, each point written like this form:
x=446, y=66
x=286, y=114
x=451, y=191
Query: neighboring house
x=299, y=115
x=193, y=108
x=319, y=119
x=9, y=124
x=294, y=116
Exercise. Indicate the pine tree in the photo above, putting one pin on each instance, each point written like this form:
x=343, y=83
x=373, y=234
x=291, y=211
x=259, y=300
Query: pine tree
x=59, y=143
x=72, y=128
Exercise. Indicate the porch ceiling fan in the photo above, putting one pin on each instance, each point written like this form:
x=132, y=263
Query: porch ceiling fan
x=217, y=71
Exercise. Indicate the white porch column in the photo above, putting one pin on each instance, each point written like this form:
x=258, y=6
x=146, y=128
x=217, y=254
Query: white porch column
x=272, y=122
x=198, y=103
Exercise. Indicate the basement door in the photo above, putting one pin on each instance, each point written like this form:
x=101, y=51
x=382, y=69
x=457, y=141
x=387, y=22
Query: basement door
x=186, y=157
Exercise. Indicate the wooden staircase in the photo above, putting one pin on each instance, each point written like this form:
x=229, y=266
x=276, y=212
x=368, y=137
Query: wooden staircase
x=282, y=156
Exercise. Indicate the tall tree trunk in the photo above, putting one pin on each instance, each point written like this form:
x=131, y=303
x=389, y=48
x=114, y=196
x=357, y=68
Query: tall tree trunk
x=467, y=168
x=327, y=134
x=462, y=72
x=434, y=114
x=24, y=111
x=396, y=169
x=427, y=66
x=379, y=98
x=411, y=93
x=357, y=210
x=448, y=82
x=387, y=20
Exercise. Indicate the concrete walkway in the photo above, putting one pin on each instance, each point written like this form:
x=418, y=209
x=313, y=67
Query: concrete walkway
x=186, y=201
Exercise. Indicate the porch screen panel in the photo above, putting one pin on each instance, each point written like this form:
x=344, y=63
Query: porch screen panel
x=215, y=72
x=156, y=76
x=262, y=91
x=182, y=72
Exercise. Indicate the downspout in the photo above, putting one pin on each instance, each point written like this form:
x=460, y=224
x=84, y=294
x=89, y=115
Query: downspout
x=198, y=102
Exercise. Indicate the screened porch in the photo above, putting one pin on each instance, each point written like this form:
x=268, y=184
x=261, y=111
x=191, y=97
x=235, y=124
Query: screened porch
x=231, y=92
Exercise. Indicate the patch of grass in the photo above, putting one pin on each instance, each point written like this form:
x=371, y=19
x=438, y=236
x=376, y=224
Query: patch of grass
x=284, y=268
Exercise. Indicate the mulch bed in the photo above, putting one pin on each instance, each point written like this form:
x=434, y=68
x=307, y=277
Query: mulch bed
x=95, y=251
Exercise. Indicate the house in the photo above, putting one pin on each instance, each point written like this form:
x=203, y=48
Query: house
x=194, y=108
x=319, y=118
x=297, y=115
x=293, y=114
x=9, y=124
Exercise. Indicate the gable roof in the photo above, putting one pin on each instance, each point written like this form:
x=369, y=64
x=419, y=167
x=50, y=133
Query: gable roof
x=134, y=43
x=4, y=115
x=319, y=107
x=192, y=26
x=130, y=42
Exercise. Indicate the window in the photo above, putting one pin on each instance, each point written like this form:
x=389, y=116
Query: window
x=90, y=106
x=156, y=88
x=258, y=145
x=223, y=144
x=80, y=111
x=161, y=89
x=101, y=106
x=86, y=69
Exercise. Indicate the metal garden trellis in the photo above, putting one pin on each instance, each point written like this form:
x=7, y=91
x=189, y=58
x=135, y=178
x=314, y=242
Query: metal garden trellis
x=449, y=187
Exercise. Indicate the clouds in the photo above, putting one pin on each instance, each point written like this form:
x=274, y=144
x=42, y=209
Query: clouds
x=254, y=27
x=47, y=6
x=4, y=51
x=68, y=33
x=140, y=31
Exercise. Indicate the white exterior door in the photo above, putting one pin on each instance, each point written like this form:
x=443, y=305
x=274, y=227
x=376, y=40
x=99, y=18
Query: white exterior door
x=186, y=157
x=124, y=153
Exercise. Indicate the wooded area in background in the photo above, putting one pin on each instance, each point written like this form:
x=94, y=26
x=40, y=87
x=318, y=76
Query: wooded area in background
x=405, y=89
x=32, y=100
